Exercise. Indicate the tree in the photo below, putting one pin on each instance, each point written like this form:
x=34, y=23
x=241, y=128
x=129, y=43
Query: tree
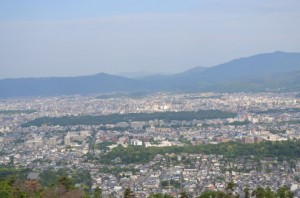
x=259, y=192
x=284, y=192
x=230, y=188
x=160, y=195
x=246, y=191
x=213, y=194
x=128, y=193
x=269, y=193
x=5, y=189
x=11, y=160
x=98, y=192
x=66, y=182
x=183, y=194
x=164, y=183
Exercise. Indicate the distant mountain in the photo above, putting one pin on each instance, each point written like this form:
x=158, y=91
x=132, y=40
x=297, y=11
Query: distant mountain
x=177, y=81
x=252, y=73
x=191, y=72
x=135, y=74
x=278, y=71
x=100, y=83
x=252, y=67
x=289, y=81
x=139, y=74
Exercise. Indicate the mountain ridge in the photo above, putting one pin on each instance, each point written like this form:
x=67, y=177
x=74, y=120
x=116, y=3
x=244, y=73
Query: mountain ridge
x=51, y=86
x=268, y=71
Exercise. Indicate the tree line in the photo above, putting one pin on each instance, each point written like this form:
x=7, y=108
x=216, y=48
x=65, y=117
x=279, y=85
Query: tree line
x=12, y=187
x=282, y=150
x=115, y=118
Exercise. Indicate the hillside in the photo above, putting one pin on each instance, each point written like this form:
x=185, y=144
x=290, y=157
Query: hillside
x=100, y=83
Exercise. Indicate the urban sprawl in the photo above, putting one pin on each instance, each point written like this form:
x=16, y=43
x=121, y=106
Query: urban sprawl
x=253, y=118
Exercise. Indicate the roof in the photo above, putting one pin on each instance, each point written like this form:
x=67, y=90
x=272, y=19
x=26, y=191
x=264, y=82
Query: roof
x=33, y=176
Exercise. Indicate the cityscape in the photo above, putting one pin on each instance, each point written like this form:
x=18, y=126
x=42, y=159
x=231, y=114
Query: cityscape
x=252, y=118
x=150, y=99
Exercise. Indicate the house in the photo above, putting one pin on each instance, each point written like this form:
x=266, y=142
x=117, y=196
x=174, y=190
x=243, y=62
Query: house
x=33, y=176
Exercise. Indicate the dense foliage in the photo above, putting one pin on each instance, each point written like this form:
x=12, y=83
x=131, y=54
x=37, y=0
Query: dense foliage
x=173, y=183
x=128, y=193
x=289, y=110
x=115, y=118
x=103, y=145
x=50, y=185
x=160, y=195
x=8, y=171
x=139, y=154
x=259, y=192
x=80, y=176
x=11, y=187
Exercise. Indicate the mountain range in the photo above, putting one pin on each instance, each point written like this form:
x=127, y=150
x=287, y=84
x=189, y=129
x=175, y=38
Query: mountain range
x=277, y=71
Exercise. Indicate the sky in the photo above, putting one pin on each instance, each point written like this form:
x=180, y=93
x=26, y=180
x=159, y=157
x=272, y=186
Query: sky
x=76, y=37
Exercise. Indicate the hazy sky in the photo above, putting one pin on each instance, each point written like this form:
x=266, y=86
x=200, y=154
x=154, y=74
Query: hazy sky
x=77, y=37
